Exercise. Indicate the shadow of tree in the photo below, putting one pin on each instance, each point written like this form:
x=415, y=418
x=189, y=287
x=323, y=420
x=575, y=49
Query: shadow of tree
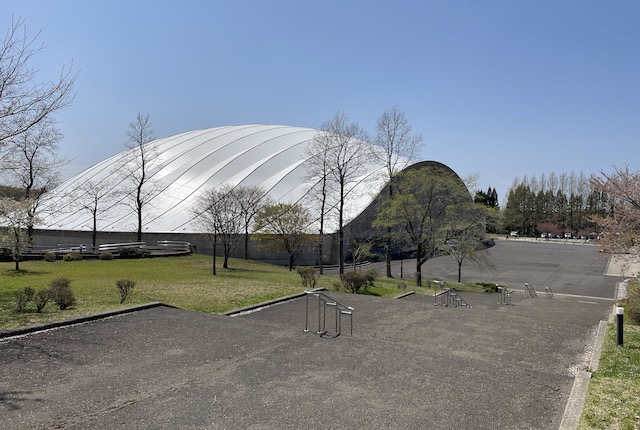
x=11, y=273
x=12, y=400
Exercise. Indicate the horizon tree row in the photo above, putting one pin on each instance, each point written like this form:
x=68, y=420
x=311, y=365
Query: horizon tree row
x=559, y=204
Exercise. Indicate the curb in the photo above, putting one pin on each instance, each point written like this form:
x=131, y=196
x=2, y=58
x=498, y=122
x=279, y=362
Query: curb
x=257, y=307
x=597, y=347
x=575, y=403
x=403, y=295
x=573, y=410
x=78, y=320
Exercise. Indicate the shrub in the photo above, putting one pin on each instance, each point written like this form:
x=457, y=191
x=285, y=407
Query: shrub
x=402, y=285
x=41, y=299
x=338, y=286
x=308, y=277
x=370, y=275
x=23, y=297
x=6, y=254
x=106, y=255
x=632, y=302
x=489, y=287
x=353, y=281
x=124, y=287
x=49, y=256
x=72, y=256
x=61, y=293
x=134, y=252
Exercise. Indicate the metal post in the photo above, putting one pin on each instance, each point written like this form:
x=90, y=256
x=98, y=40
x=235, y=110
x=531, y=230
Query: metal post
x=319, y=312
x=306, y=316
x=620, y=326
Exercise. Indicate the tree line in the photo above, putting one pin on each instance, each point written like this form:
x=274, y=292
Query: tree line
x=556, y=204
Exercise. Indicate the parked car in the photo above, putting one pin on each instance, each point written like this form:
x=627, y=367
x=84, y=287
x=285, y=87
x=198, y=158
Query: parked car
x=513, y=234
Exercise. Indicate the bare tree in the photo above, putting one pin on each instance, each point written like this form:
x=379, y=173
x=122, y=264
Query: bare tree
x=251, y=199
x=24, y=101
x=14, y=214
x=395, y=146
x=32, y=164
x=346, y=149
x=219, y=216
x=91, y=196
x=140, y=165
x=317, y=154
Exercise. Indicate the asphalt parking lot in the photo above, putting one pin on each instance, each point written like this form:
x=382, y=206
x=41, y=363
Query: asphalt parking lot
x=409, y=364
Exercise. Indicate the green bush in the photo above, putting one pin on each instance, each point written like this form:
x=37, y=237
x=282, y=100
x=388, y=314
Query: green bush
x=632, y=303
x=72, y=256
x=489, y=287
x=134, y=252
x=6, y=254
x=353, y=281
x=61, y=293
x=370, y=275
x=124, y=287
x=41, y=299
x=106, y=255
x=23, y=297
x=308, y=277
x=49, y=256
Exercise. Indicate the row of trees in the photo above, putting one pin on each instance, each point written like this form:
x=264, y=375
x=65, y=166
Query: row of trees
x=566, y=203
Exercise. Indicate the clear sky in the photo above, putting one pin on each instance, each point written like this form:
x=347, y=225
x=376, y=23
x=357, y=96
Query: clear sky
x=499, y=88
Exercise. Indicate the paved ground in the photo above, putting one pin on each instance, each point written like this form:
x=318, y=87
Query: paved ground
x=570, y=268
x=409, y=364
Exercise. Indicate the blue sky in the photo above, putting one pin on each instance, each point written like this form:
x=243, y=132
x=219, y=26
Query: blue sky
x=502, y=89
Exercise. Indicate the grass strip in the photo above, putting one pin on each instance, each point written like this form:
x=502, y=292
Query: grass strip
x=613, y=399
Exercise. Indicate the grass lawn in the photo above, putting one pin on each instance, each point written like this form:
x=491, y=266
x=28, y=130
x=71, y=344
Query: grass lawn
x=185, y=282
x=613, y=400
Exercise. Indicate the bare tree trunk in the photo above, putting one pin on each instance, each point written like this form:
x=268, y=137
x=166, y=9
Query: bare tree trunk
x=388, y=255
x=320, y=262
x=419, y=266
x=214, y=257
x=94, y=232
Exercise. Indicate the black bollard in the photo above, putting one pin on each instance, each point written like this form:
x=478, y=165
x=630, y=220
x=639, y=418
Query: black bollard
x=620, y=327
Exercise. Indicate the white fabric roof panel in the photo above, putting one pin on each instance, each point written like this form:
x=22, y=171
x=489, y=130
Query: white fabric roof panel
x=271, y=156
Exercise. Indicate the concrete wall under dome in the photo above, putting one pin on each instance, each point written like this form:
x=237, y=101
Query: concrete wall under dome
x=201, y=244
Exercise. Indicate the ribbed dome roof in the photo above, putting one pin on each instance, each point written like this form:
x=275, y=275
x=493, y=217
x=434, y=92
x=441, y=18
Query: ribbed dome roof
x=271, y=156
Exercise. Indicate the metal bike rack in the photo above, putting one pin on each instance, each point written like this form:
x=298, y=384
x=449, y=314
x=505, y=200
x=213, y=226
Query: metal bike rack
x=324, y=302
x=505, y=295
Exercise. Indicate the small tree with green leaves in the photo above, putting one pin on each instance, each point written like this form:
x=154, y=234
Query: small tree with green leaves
x=360, y=251
x=284, y=227
x=426, y=211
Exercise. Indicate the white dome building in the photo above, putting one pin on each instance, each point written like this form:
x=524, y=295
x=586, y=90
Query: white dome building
x=187, y=164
